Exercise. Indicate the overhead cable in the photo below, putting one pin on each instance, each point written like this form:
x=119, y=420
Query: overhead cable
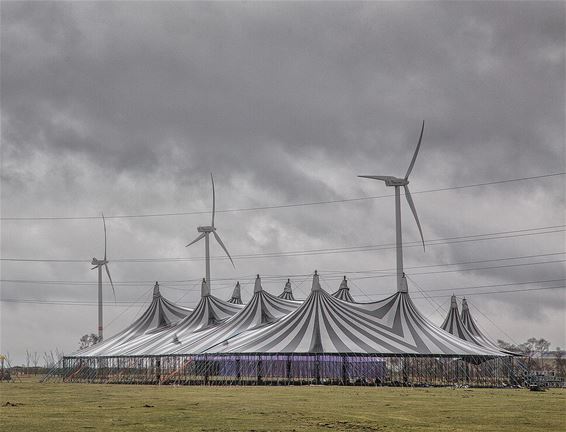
x=272, y=207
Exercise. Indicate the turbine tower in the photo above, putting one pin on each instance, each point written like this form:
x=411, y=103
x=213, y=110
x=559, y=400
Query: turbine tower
x=397, y=183
x=205, y=231
x=98, y=264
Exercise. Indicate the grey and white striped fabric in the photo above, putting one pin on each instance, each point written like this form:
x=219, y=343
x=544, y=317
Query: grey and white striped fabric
x=236, y=295
x=263, y=309
x=209, y=312
x=320, y=324
x=324, y=324
x=343, y=292
x=454, y=325
x=287, y=293
x=160, y=315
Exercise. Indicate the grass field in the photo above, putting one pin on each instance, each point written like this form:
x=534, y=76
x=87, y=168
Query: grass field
x=30, y=406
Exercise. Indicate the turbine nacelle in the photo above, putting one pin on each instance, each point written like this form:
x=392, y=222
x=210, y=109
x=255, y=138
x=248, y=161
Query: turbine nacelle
x=389, y=180
x=206, y=229
x=98, y=263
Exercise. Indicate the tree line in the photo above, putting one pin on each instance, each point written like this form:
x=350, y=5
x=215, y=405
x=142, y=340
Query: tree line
x=537, y=355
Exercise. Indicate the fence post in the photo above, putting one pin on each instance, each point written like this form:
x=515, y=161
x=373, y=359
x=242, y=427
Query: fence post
x=344, y=370
x=259, y=365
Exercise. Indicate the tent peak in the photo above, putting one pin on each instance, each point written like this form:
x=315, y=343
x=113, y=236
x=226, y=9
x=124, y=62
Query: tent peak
x=343, y=292
x=404, y=288
x=257, y=286
x=236, y=295
x=156, y=292
x=315, y=282
x=204, y=289
x=287, y=293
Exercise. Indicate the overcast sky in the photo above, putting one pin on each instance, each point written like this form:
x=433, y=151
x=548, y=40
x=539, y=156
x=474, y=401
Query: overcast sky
x=128, y=107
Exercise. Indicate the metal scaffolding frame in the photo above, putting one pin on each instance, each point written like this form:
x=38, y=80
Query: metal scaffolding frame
x=293, y=369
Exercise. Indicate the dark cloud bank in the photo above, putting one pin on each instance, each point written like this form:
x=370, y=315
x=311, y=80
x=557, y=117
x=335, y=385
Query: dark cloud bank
x=127, y=107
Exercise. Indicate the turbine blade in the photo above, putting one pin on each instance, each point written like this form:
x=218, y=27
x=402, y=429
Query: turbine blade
x=383, y=178
x=197, y=239
x=104, y=222
x=95, y=267
x=213, y=200
x=217, y=237
x=415, y=155
x=414, y=210
x=111, y=283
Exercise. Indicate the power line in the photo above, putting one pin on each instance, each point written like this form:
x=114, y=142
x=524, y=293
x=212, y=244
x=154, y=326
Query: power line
x=495, y=325
x=494, y=285
x=364, y=248
x=179, y=284
x=274, y=278
x=378, y=295
x=507, y=291
x=128, y=308
x=446, y=264
x=72, y=302
x=281, y=206
x=424, y=294
x=128, y=304
x=470, y=269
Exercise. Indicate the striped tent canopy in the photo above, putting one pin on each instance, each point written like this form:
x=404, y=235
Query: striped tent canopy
x=236, y=295
x=159, y=316
x=470, y=324
x=454, y=325
x=343, y=292
x=209, y=312
x=287, y=293
x=324, y=324
x=263, y=309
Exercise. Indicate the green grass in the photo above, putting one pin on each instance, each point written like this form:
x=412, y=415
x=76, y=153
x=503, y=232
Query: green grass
x=76, y=407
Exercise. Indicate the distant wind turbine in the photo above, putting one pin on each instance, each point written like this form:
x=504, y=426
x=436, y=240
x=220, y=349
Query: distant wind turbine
x=204, y=233
x=98, y=264
x=397, y=183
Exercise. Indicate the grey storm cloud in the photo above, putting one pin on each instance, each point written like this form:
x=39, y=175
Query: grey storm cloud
x=128, y=107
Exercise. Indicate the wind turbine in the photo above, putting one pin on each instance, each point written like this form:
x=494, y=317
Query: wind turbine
x=98, y=264
x=397, y=183
x=205, y=231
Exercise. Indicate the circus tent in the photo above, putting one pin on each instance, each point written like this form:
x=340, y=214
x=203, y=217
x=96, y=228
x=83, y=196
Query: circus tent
x=160, y=315
x=324, y=324
x=465, y=327
x=320, y=324
x=343, y=292
x=454, y=325
x=272, y=340
x=209, y=312
x=262, y=310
